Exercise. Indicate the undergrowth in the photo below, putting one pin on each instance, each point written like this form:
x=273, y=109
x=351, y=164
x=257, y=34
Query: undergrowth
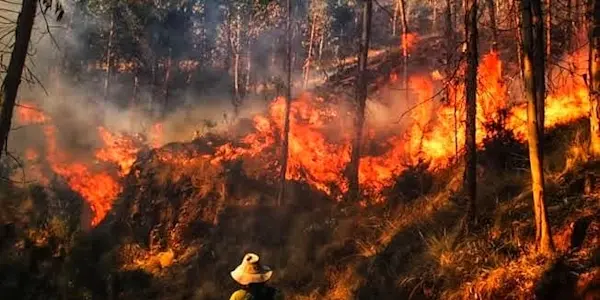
x=183, y=243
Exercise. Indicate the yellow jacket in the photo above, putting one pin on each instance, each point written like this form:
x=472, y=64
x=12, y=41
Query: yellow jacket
x=245, y=295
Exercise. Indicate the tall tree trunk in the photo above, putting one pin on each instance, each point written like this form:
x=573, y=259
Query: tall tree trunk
x=471, y=99
x=249, y=23
x=450, y=51
x=450, y=15
x=153, y=88
x=548, y=28
x=288, y=104
x=570, y=25
x=543, y=236
x=519, y=38
x=434, y=16
x=577, y=18
x=310, y=50
x=134, y=92
x=166, y=84
x=109, y=46
x=539, y=56
x=237, y=100
x=395, y=17
x=248, y=64
x=492, y=10
x=404, y=46
x=10, y=85
x=321, y=41
x=361, y=100
x=594, y=71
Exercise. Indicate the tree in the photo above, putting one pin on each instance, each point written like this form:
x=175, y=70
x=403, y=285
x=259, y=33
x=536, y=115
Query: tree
x=471, y=101
x=594, y=71
x=533, y=68
x=288, y=103
x=12, y=80
x=109, y=54
x=360, y=100
x=548, y=27
x=492, y=10
x=404, y=46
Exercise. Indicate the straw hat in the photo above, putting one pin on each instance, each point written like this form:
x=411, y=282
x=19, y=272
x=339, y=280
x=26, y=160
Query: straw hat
x=251, y=271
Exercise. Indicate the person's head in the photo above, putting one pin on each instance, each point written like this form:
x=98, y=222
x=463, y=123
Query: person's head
x=251, y=272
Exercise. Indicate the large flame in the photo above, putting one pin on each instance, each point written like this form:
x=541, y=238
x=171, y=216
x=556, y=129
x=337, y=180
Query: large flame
x=435, y=133
x=320, y=143
x=96, y=185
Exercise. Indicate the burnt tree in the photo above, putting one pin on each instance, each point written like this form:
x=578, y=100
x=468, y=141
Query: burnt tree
x=360, y=100
x=404, y=46
x=594, y=71
x=548, y=27
x=109, y=54
x=12, y=80
x=492, y=10
x=288, y=104
x=533, y=68
x=471, y=99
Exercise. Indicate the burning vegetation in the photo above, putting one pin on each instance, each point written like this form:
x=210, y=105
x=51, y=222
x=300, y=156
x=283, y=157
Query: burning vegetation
x=138, y=193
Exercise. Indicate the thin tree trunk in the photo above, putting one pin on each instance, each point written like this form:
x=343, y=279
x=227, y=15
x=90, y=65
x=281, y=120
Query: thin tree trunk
x=549, y=28
x=111, y=33
x=134, y=91
x=529, y=11
x=321, y=42
x=519, y=38
x=492, y=11
x=570, y=24
x=310, y=51
x=153, y=89
x=450, y=50
x=404, y=46
x=133, y=104
x=395, y=18
x=166, y=84
x=236, y=66
x=10, y=85
x=248, y=64
x=434, y=16
x=471, y=99
x=594, y=71
x=288, y=105
x=361, y=99
x=539, y=49
x=577, y=18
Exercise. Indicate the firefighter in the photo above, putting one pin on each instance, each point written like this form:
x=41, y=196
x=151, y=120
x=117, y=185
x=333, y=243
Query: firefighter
x=252, y=276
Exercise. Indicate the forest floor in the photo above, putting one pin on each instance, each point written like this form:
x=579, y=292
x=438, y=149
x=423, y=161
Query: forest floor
x=406, y=249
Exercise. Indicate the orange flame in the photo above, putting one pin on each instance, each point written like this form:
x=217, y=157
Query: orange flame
x=28, y=114
x=98, y=188
x=31, y=154
x=435, y=133
x=409, y=41
x=119, y=150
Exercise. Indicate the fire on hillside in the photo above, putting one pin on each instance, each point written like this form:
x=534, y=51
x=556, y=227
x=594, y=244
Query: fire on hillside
x=433, y=132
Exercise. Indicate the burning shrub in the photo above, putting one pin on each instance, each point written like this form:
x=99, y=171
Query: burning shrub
x=416, y=180
x=501, y=149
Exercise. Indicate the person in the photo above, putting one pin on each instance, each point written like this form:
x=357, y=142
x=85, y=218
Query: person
x=252, y=276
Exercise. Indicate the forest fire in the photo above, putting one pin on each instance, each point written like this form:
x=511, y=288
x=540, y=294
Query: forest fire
x=431, y=137
x=434, y=134
x=96, y=185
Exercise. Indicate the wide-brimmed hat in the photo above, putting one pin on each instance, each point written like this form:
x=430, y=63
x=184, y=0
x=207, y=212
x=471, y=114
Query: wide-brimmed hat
x=251, y=271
